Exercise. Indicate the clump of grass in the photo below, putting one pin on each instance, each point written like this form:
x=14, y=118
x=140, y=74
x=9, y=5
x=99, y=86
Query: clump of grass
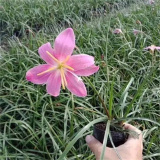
x=20, y=17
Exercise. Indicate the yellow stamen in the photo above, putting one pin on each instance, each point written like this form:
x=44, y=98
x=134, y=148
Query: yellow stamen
x=68, y=67
x=53, y=57
x=48, y=70
x=61, y=66
x=67, y=58
x=62, y=78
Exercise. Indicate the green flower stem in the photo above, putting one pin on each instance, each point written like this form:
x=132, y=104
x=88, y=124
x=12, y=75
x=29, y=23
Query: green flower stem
x=72, y=116
x=102, y=102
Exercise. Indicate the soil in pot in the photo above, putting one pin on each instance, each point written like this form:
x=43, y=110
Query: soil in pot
x=118, y=137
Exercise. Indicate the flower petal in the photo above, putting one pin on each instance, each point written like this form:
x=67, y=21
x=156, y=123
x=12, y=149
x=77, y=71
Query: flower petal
x=81, y=61
x=64, y=44
x=32, y=76
x=43, y=54
x=54, y=84
x=117, y=31
x=75, y=85
x=87, y=71
x=147, y=48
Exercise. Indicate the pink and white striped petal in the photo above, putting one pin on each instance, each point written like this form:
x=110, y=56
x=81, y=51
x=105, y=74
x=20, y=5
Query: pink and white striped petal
x=43, y=53
x=81, y=61
x=87, y=71
x=75, y=85
x=54, y=84
x=64, y=44
x=32, y=76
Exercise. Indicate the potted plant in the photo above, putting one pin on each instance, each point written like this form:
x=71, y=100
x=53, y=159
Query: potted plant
x=118, y=135
x=64, y=69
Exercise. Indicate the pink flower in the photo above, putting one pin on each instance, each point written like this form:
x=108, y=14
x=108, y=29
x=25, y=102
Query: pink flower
x=151, y=1
x=152, y=48
x=117, y=31
x=62, y=68
x=136, y=32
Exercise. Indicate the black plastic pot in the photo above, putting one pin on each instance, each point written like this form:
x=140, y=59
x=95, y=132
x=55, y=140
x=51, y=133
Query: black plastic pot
x=118, y=137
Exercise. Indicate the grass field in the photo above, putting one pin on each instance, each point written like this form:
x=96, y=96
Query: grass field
x=37, y=126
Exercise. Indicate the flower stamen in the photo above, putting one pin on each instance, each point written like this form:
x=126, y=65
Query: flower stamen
x=61, y=66
x=46, y=71
x=63, y=86
x=53, y=57
x=67, y=58
x=62, y=78
x=68, y=67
